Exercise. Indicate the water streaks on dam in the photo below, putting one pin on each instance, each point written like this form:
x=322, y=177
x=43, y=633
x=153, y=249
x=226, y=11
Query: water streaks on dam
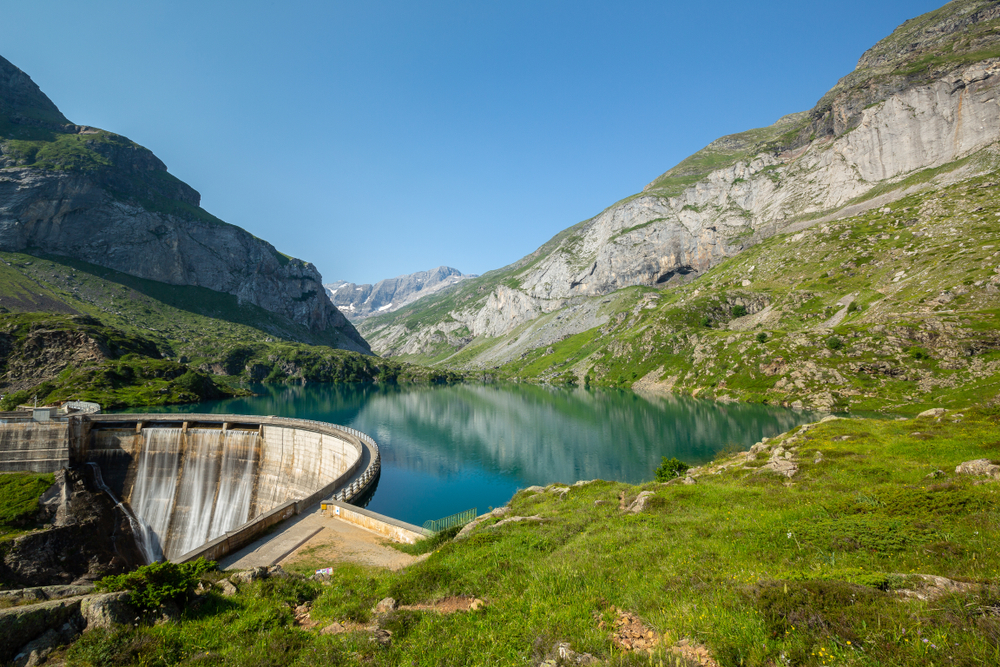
x=185, y=501
x=201, y=485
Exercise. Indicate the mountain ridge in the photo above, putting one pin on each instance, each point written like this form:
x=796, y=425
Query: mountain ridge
x=909, y=118
x=390, y=294
x=94, y=195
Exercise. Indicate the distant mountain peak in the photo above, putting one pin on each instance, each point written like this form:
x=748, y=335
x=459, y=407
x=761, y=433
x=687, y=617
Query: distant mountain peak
x=385, y=296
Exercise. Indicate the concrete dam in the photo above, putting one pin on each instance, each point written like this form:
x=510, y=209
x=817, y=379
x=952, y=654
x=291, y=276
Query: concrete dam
x=198, y=484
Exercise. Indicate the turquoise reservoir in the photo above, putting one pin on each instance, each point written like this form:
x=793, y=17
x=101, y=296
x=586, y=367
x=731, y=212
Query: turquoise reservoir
x=447, y=449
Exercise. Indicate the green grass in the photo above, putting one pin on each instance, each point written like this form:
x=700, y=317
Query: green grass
x=887, y=358
x=751, y=565
x=170, y=331
x=19, y=494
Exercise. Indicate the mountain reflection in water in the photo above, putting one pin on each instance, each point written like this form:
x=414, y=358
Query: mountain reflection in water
x=446, y=449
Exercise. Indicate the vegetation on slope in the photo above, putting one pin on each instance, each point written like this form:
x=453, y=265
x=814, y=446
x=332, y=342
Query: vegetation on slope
x=19, y=495
x=895, y=309
x=47, y=358
x=918, y=52
x=72, y=330
x=832, y=566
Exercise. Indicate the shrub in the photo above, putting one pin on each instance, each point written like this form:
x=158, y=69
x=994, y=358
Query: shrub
x=761, y=337
x=670, y=468
x=918, y=353
x=706, y=321
x=156, y=583
x=834, y=343
x=739, y=311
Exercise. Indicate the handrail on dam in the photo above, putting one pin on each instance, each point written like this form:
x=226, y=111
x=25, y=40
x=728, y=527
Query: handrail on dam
x=347, y=486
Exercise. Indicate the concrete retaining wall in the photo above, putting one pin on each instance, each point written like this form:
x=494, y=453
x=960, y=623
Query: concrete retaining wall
x=398, y=531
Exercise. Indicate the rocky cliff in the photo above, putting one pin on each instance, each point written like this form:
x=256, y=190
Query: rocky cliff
x=921, y=104
x=95, y=196
x=386, y=296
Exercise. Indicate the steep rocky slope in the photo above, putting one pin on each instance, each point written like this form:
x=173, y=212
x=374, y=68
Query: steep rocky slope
x=95, y=196
x=386, y=296
x=917, y=114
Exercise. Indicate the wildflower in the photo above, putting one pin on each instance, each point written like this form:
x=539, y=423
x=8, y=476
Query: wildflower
x=789, y=536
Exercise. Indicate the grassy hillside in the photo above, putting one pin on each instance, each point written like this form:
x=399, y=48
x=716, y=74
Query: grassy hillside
x=69, y=329
x=897, y=309
x=833, y=566
x=19, y=495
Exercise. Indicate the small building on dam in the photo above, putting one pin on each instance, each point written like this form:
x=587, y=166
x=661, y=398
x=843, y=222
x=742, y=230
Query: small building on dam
x=197, y=484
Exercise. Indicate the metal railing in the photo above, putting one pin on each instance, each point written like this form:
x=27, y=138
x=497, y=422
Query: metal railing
x=344, y=494
x=460, y=519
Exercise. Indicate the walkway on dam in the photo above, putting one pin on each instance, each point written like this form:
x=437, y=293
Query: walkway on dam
x=320, y=538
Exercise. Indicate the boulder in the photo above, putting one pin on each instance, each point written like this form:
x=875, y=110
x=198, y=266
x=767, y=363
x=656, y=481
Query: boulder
x=107, y=610
x=384, y=606
x=782, y=467
x=226, y=587
x=933, y=413
x=333, y=629
x=36, y=651
x=21, y=624
x=979, y=467
x=639, y=504
x=249, y=576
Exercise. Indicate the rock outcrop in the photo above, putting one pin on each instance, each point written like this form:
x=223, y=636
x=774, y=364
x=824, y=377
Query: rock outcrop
x=87, y=538
x=386, y=296
x=923, y=98
x=95, y=196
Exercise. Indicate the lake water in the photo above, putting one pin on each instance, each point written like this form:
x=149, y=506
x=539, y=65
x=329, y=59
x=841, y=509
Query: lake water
x=448, y=449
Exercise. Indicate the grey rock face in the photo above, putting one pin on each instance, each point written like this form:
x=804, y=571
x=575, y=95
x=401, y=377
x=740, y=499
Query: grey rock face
x=385, y=296
x=21, y=625
x=660, y=237
x=125, y=212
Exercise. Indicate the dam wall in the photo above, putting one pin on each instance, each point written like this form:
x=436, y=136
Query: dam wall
x=201, y=484
x=28, y=446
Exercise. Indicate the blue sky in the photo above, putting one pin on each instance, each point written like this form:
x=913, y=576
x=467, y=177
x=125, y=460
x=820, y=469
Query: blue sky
x=381, y=138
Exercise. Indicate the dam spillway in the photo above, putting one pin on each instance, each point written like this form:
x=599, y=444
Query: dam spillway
x=201, y=484
x=191, y=487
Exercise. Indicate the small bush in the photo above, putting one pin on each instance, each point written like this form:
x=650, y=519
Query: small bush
x=739, y=311
x=670, y=469
x=706, y=321
x=834, y=343
x=156, y=583
x=761, y=337
x=918, y=353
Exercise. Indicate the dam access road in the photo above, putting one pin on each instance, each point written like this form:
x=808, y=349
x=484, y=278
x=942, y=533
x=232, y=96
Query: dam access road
x=320, y=538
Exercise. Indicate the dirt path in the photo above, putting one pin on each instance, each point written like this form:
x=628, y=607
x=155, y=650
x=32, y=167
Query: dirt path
x=340, y=542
